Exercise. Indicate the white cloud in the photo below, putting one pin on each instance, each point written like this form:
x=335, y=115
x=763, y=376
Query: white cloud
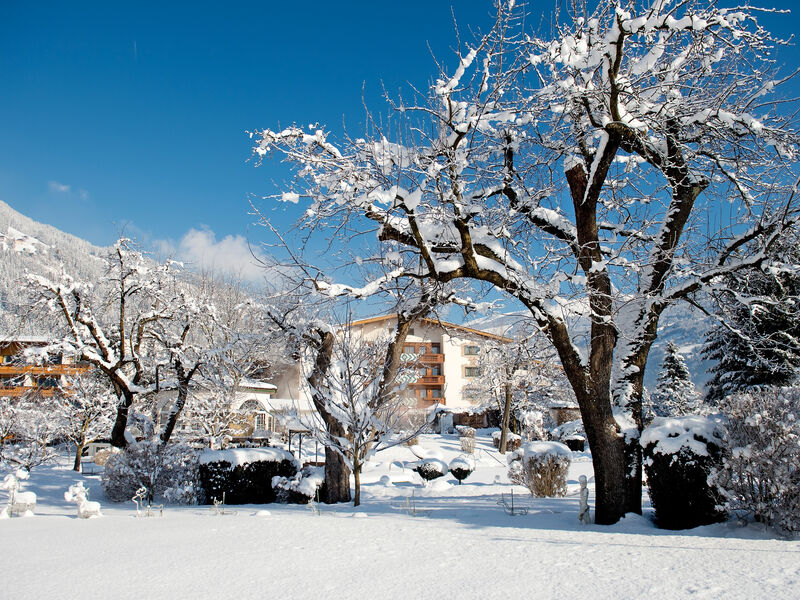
x=200, y=249
x=55, y=186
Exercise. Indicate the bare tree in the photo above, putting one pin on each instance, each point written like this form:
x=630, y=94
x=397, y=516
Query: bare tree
x=109, y=326
x=86, y=404
x=581, y=174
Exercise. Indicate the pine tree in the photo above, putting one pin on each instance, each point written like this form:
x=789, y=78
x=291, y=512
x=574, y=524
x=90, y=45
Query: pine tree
x=675, y=393
x=757, y=342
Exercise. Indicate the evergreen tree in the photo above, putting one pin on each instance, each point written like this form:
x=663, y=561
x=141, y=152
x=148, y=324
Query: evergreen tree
x=675, y=393
x=757, y=341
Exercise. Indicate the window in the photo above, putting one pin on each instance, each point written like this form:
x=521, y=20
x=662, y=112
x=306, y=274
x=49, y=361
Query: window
x=436, y=370
x=408, y=349
x=471, y=350
x=472, y=371
x=436, y=393
x=436, y=349
x=47, y=382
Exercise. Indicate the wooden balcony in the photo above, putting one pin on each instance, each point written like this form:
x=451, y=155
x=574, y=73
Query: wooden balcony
x=431, y=358
x=19, y=391
x=429, y=380
x=43, y=370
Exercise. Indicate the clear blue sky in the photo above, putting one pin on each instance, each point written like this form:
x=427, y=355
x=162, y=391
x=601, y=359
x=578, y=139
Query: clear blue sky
x=135, y=112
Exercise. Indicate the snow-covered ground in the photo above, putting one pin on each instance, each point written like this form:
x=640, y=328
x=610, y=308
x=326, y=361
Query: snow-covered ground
x=407, y=540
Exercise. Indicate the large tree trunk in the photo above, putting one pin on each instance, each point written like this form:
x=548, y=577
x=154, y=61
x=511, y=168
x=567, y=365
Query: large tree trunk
x=337, y=478
x=337, y=473
x=121, y=422
x=612, y=492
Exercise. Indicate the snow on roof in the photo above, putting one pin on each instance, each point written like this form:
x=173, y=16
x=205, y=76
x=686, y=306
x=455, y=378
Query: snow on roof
x=23, y=339
x=437, y=323
x=254, y=383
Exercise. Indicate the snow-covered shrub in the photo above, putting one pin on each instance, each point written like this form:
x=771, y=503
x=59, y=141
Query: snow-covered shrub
x=679, y=455
x=466, y=436
x=461, y=468
x=166, y=472
x=302, y=488
x=569, y=430
x=760, y=476
x=513, y=441
x=542, y=467
x=532, y=425
x=244, y=475
x=465, y=431
x=431, y=468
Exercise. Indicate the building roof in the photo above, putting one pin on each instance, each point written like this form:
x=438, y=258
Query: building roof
x=255, y=384
x=437, y=323
x=6, y=340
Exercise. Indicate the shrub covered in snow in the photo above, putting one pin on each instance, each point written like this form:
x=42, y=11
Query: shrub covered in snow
x=465, y=431
x=301, y=488
x=513, y=441
x=760, y=476
x=167, y=472
x=571, y=430
x=461, y=467
x=541, y=467
x=431, y=468
x=679, y=455
x=244, y=475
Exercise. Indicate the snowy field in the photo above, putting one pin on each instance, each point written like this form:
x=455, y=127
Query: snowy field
x=406, y=541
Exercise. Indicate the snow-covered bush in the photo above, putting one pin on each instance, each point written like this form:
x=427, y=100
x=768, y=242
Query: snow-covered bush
x=760, y=476
x=513, y=441
x=166, y=472
x=244, y=475
x=431, y=468
x=465, y=431
x=301, y=488
x=461, y=467
x=532, y=425
x=542, y=467
x=466, y=437
x=679, y=455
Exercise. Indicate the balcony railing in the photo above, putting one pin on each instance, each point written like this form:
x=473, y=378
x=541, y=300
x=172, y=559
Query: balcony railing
x=16, y=392
x=52, y=370
x=429, y=379
x=431, y=358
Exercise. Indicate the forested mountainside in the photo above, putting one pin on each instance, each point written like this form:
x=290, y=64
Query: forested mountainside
x=29, y=246
x=679, y=324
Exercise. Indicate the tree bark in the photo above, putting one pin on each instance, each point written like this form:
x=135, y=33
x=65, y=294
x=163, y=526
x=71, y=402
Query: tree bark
x=77, y=466
x=357, y=482
x=506, y=420
x=337, y=473
x=118, y=431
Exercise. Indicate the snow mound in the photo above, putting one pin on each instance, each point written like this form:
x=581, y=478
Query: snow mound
x=244, y=456
x=693, y=432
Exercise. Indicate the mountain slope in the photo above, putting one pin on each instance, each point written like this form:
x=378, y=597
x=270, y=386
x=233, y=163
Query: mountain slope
x=29, y=246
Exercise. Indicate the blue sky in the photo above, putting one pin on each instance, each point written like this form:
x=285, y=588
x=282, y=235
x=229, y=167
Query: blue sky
x=134, y=113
